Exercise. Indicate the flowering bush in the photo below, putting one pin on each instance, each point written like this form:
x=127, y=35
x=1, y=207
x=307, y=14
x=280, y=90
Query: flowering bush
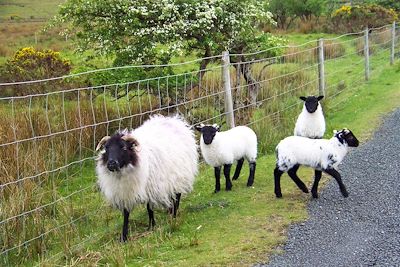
x=356, y=18
x=31, y=64
x=154, y=31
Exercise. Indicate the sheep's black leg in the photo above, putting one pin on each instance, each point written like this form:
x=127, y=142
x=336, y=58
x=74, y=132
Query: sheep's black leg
x=238, y=169
x=217, y=172
x=292, y=173
x=277, y=175
x=150, y=212
x=335, y=174
x=317, y=178
x=250, y=181
x=227, y=172
x=176, y=203
x=125, y=226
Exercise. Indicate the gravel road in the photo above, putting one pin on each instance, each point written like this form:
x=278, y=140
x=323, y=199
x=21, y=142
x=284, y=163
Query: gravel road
x=363, y=229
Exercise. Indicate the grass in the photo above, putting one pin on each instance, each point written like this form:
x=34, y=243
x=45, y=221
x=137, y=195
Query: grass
x=230, y=228
x=243, y=226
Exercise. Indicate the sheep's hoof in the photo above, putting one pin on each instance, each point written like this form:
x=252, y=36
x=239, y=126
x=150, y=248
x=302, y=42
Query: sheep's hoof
x=314, y=195
x=228, y=188
x=249, y=184
x=151, y=227
x=305, y=190
x=216, y=191
x=278, y=195
x=123, y=239
x=345, y=194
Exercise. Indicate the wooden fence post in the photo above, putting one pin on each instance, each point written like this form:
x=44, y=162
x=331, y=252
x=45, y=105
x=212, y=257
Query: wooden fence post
x=366, y=53
x=321, y=67
x=226, y=80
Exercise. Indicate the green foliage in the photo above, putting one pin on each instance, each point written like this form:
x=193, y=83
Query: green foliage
x=31, y=64
x=286, y=11
x=356, y=18
x=283, y=12
x=390, y=4
x=305, y=9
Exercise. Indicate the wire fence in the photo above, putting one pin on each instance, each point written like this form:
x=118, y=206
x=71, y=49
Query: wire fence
x=49, y=202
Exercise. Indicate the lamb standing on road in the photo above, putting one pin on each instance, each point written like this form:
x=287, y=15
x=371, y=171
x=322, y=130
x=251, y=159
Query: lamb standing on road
x=152, y=164
x=321, y=154
x=223, y=148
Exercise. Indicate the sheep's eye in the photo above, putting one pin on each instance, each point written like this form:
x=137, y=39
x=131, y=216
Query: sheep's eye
x=124, y=148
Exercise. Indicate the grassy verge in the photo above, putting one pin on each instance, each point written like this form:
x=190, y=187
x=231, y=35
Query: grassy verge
x=229, y=228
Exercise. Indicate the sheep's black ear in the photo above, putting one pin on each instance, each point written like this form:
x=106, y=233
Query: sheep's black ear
x=199, y=127
x=217, y=127
x=320, y=97
x=303, y=98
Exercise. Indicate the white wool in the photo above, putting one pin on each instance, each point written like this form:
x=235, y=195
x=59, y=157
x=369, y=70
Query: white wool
x=231, y=145
x=311, y=125
x=167, y=164
x=315, y=153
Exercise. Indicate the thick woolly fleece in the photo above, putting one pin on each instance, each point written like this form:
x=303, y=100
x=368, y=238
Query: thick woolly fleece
x=167, y=164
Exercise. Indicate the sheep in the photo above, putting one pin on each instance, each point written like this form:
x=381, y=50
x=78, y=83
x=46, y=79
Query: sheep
x=152, y=164
x=311, y=122
x=223, y=148
x=324, y=155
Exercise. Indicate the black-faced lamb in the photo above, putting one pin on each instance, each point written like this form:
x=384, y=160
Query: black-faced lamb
x=152, y=164
x=223, y=148
x=311, y=121
x=324, y=155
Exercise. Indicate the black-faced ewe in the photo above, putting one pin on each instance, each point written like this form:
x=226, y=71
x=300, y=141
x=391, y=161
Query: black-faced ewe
x=311, y=121
x=223, y=148
x=152, y=164
x=324, y=155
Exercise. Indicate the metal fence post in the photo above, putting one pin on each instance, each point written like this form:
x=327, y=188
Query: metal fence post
x=366, y=53
x=321, y=67
x=226, y=80
x=393, y=43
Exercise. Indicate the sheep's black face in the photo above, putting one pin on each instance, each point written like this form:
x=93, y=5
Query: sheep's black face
x=208, y=132
x=350, y=138
x=311, y=102
x=118, y=153
x=347, y=136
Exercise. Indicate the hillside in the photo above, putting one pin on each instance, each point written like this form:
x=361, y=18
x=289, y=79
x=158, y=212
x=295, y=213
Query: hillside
x=12, y=10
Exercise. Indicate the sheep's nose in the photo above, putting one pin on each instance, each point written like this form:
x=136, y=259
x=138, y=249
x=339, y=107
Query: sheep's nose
x=113, y=165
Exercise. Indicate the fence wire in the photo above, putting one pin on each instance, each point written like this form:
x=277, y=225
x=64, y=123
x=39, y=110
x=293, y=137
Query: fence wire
x=49, y=202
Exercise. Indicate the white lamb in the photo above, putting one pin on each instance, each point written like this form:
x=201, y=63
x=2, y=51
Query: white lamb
x=152, y=164
x=311, y=121
x=324, y=155
x=223, y=148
